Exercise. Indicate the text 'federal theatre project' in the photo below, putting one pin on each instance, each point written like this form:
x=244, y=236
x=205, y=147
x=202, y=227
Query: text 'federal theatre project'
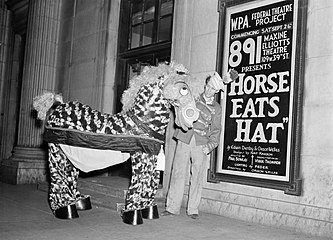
x=258, y=106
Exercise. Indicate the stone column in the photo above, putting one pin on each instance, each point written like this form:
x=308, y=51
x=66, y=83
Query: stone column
x=6, y=59
x=28, y=163
x=181, y=53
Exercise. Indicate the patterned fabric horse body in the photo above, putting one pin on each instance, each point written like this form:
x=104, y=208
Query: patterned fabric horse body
x=143, y=122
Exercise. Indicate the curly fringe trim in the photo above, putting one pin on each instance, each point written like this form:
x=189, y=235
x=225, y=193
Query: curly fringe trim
x=44, y=102
x=163, y=72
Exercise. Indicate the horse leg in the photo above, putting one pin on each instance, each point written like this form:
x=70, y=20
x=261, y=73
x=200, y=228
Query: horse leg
x=63, y=193
x=133, y=203
x=141, y=193
x=152, y=178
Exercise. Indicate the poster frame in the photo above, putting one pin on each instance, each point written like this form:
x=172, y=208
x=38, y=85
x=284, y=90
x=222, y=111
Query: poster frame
x=294, y=184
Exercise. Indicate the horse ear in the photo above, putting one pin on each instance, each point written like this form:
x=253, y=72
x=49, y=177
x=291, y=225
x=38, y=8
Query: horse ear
x=146, y=68
x=180, y=68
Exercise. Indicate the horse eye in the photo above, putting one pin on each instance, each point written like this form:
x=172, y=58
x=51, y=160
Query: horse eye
x=183, y=91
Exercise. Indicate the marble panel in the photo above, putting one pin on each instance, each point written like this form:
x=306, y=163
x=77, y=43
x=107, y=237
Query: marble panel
x=316, y=32
x=318, y=70
x=269, y=218
x=297, y=208
x=205, y=17
x=83, y=95
x=86, y=23
x=315, y=4
x=23, y=172
x=64, y=54
x=84, y=49
x=66, y=28
x=317, y=135
x=62, y=81
x=203, y=53
x=27, y=176
x=236, y=188
x=107, y=104
x=83, y=5
x=114, y=16
x=318, y=184
x=82, y=76
x=67, y=8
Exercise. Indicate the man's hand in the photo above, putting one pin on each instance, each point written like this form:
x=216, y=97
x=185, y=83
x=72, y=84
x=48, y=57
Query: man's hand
x=205, y=150
x=232, y=75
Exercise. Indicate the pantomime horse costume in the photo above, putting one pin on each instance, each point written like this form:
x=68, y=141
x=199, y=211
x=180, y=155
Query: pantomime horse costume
x=82, y=138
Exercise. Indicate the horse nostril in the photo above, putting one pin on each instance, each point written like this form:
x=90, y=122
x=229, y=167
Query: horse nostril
x=189, y=112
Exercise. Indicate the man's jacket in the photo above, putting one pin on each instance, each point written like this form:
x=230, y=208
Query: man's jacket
x=207, y=129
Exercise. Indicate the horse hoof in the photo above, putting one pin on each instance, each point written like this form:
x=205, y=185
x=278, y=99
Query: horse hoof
x=67, y=212
x=84, y=203
x=150, y=212
x=133, y=217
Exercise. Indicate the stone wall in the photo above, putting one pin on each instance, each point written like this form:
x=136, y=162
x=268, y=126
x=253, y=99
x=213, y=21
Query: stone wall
x=88, y=52
x=312, y=212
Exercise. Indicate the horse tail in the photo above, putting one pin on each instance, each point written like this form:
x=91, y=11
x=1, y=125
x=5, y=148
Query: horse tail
x=44, y=102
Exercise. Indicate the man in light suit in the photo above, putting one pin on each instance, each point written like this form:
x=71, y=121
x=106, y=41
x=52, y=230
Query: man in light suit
x=193, y=147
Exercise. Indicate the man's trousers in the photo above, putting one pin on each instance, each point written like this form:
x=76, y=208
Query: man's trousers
x=186, y=154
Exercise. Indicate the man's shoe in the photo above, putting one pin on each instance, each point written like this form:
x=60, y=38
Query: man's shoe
x=194, y=216
x=167, y=213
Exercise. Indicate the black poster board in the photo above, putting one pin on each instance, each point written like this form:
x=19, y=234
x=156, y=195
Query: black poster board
x=264, y=41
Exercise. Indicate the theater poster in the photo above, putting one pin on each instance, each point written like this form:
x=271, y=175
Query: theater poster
x=258, y=125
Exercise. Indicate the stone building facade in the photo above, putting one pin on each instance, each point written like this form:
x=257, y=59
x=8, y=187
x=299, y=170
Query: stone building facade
x=72, y=47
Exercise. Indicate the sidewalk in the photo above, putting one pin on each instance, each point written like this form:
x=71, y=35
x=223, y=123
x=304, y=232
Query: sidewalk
x=25, y=214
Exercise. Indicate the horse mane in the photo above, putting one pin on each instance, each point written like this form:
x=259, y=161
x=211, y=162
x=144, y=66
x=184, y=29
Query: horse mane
x=152, y=74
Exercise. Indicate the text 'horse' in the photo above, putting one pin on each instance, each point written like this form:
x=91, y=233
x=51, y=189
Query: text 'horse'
x=81, y=138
